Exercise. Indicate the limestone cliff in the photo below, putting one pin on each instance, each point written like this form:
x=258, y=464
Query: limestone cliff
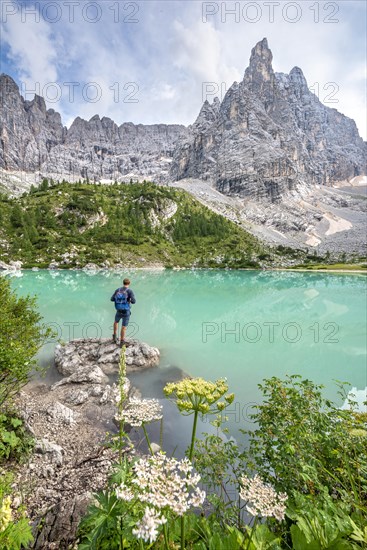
x=269, y=135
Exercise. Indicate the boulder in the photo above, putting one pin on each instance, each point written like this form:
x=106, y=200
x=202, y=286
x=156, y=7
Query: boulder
x=57, y=529
x=44, y=446
x=11, y=266
x=4, y=266
x=84, y=360
x=61, y=413
x=84, y=375
x=16, y=265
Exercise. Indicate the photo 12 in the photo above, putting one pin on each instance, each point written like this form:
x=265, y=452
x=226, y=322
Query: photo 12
x=183, y=262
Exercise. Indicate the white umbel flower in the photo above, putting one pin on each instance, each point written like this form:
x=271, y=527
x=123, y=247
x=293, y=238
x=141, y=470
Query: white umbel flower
x=147, y=528
x=167, y=483
x=124, y=493
x=262, y=499
x=140, y=411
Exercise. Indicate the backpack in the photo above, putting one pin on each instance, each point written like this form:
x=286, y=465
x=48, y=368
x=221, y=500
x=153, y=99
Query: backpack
x=121, y=297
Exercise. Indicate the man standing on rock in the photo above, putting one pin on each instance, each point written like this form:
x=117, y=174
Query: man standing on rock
x=122, y=297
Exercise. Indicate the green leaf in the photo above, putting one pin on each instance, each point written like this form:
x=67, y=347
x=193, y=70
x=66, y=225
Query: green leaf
x=299, y=541
x=16, y=422
x=11, y=439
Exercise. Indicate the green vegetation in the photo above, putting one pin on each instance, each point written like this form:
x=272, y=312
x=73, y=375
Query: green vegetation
x=15, y=442
x=15, y=532
x=21, y=336
x=360, y=266
x=129, y=224
x=136, y=224
x=302, y=480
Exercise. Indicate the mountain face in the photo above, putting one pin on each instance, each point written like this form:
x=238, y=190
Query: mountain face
x=268, y=136
x=33, y=139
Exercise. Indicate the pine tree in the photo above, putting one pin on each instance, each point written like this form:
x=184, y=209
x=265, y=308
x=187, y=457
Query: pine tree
x=16, y=216
x=44, y=184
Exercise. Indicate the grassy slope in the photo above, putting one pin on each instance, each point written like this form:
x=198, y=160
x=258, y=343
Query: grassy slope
x=41, y=226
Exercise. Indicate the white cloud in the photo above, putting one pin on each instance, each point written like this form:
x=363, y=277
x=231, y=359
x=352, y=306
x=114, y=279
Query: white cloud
x=170, y=52
x=32, y=49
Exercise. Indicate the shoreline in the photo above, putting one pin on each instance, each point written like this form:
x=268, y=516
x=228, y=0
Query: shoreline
x=155, y=268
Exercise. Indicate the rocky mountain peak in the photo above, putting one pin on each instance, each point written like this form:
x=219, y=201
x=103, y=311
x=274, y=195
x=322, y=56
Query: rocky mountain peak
x=261, y=50
x=38, y=103
x=297, y=77
x=270, y=136
x=260, y=68
x=208, y=114
x=7, y=85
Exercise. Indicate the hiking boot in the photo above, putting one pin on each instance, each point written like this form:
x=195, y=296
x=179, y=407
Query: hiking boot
x=124, y=343
x=114, y=339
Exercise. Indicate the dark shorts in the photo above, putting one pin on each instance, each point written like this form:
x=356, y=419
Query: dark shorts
x=124, y=315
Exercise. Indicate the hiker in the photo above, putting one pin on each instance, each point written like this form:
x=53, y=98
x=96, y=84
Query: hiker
x=122, y=297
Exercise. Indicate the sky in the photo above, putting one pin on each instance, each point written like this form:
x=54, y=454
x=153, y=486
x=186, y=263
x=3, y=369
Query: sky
x=157, y=61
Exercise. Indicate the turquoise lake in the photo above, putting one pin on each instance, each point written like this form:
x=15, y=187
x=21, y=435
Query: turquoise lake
x=242, y=325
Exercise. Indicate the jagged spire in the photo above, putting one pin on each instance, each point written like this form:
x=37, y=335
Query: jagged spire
x=208, y=113
x=260, y=68
x=261, y=52
x=297, y=77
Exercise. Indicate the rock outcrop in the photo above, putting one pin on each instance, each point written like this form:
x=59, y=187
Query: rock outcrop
x=92, y=359
x=270, y=135
x=11, y=266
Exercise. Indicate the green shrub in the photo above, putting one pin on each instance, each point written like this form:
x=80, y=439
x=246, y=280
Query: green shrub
x=21, y=336
x=14, y=533
x=15, y=442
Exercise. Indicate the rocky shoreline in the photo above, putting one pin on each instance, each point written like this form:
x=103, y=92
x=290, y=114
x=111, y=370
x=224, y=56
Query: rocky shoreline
x=69, y=421
x=97, y=269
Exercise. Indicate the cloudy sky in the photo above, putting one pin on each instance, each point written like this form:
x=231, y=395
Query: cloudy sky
x=156, y=61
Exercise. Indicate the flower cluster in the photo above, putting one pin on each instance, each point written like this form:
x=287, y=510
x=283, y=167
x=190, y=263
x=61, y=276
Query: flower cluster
x=168, y=483
x=147, y=528
x=199, y=395
x=123, y=492
x=262, y=499
x=5, y=513
x=164, y=483
x=140, y=411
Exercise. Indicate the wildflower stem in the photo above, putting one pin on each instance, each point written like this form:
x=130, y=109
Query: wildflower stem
x=166, y=541
x=147, y=438
x=252, y=532
x=121, y=536
x=193, y=434
x=122, y=375
x=196, y=414
x=182, y=532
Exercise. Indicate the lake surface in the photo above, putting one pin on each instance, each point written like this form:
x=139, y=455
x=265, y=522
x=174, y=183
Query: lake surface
x=242, y=325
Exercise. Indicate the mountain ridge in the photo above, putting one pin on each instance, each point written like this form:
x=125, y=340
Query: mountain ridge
x=268, y=136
